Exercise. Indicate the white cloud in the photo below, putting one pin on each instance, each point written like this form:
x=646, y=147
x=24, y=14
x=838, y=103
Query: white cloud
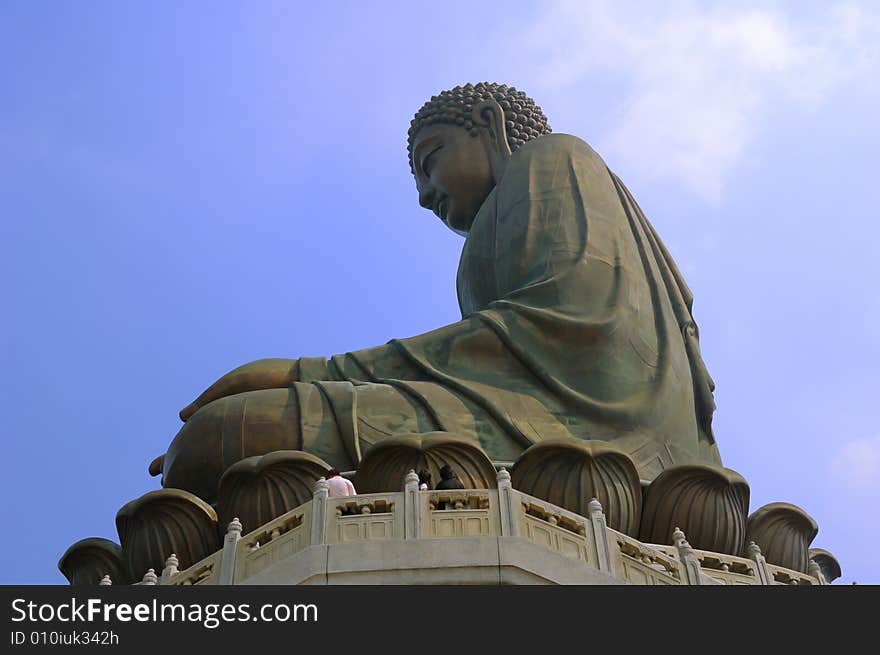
x=857, y=464
x=700, y=80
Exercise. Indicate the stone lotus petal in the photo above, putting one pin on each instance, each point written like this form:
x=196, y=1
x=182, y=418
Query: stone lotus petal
x=827, y=563
x=261, y=488
x=89, y=560
x=708, y=503
x=784, y=533
x=165, y=522
x=571, y=472
x=385, y=465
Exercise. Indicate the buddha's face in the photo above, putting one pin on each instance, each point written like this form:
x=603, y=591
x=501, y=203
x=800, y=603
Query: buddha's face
x=453, y=173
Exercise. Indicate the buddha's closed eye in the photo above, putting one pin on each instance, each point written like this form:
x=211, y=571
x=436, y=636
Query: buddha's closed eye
x=427, y=160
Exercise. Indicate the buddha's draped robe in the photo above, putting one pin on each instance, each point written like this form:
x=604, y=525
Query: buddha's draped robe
x=575, y=323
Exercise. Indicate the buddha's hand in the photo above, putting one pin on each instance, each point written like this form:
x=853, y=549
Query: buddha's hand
x=261, y=374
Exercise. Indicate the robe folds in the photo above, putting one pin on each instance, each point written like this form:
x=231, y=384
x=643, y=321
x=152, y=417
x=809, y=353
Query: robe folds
x=575, y=323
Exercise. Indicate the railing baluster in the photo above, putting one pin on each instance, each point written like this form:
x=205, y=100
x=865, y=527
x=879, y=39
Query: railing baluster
x=227, y=557
x=411, y=502
x=319, y=511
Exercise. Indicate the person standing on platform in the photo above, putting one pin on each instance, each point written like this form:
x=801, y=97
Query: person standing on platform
x=424, y=480
x=339, y=486
x=449, y=479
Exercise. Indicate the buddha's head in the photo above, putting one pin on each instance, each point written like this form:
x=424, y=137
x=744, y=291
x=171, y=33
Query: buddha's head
x=459, y=142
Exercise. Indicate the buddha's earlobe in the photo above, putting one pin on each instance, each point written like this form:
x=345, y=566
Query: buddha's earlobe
x=489, y=115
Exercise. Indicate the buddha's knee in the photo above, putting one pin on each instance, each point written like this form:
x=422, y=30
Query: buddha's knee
x=226, y=431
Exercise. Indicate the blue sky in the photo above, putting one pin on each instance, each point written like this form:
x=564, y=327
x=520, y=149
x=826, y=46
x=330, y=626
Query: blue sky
x=185, y=187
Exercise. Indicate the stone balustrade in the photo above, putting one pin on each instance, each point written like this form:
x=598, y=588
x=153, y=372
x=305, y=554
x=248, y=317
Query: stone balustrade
x=555, y=528
x=204, y=572
x=646, y=564
x=458, y=536
x=366, y=517
x=458, y=513
x=783, y=576
x=279, y=539
x=721, y=568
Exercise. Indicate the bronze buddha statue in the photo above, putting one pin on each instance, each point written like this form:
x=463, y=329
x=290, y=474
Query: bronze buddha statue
x=576, y=359
x=575, y=324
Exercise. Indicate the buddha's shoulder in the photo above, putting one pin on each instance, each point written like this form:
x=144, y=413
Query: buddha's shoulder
x=555, y=145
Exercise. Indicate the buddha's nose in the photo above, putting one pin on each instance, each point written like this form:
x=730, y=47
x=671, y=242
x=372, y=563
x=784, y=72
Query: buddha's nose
x=426, y=197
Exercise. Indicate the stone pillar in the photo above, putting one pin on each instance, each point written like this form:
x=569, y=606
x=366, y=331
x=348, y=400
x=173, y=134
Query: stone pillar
x=227, y=555
x=507, y=506
x=150, y=577
x=170, y=569
x=319, y=511
x=753, y=552
x=411, y=506
x=690, y=565
x=600, y=536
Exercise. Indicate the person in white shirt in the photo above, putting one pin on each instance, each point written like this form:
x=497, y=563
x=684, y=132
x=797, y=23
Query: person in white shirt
x=339, y=486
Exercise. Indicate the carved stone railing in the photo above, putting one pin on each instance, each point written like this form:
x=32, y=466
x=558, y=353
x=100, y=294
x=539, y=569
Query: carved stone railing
x=503, y=513
x=368, y=517
x=556, y=529
x=782, y=576
x=723, y=568
x=204, y=572
x=728, y=569
x=279, y=539
x=459, y=513
x=645, y=564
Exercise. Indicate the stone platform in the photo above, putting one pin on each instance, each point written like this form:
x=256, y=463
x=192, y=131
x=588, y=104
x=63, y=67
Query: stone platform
x=478, y=536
